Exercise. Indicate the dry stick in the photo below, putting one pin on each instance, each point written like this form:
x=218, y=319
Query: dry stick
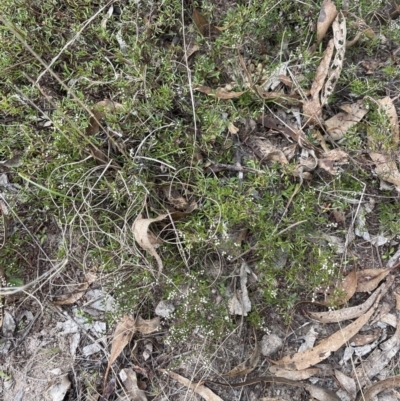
x=57, y=78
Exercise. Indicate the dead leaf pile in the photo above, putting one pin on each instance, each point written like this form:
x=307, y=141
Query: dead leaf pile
x=305, y=363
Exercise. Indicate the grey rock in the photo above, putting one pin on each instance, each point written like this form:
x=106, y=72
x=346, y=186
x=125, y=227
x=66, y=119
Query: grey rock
x=164, y=309
x=270, y=344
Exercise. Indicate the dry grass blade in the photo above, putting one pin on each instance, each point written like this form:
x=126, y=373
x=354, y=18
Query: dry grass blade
x=326, y=16
x=306, y=359
x=199, y=389
x=144, y=238
x=369, y=279
x=377, y=388
x=354, y=311
x=121, y=337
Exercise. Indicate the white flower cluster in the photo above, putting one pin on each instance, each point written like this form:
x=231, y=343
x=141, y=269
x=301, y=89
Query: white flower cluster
x=394, y=24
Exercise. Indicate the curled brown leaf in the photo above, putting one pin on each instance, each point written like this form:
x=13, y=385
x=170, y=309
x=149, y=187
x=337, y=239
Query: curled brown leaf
x=326, y=17
x=369, y=279
x=143, y=237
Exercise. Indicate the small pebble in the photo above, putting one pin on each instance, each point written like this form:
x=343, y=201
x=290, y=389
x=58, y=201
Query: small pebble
x=270, y=344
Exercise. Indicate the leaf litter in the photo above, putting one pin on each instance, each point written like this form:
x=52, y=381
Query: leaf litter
x=308, y=358
x=198, y=388
x=366, y=280
x=146, y=239
x=123, y=334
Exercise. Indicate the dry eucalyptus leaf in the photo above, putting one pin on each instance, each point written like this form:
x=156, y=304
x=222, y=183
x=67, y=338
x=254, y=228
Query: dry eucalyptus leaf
x=204, y=89
x=247, y=366
x=147, y=326
x=240, y=303
x=378, y=359
x=72, y=297
x=219, y=93
x=265, y=150
x=330, y=160
x=201, y=23
x=222, y=93
x=321, y=394
x=339, y=124
x=294, y=374
x=359, y=340
x=123, y=334
x=322, y=70
x=99, y=110
x=326, y=16
x=271, y=399
x=352, y=312
x=309, y=340
x=313, y=108
x=174, y=197
x=374, y=390
x=348, y=383
x=397, y=297
x=200, y=389
x=129, y=380
x=386, y=104
x=386, y=168
x=60, y=387
x=121, y=338
x=369, y=279
x=232, y=129
x=306, y=359
x=9, y=325
x=344, y=290
x=339, y=38
x=107, y=17
x=141, y=232
x=389, y=319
